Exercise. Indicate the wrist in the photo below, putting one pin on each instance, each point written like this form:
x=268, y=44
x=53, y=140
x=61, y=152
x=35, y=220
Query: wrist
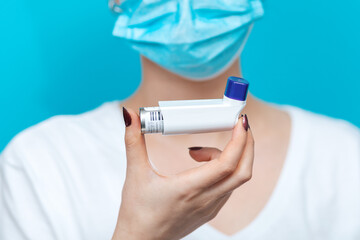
x=124, y=235
x=125, y=231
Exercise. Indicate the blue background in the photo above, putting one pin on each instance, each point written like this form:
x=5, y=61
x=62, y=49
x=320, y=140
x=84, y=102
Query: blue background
x=60, y=58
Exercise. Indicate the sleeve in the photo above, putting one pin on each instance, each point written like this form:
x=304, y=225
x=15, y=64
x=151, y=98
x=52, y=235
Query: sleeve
x=343, y=202
x=349, y=188
x=21, y=210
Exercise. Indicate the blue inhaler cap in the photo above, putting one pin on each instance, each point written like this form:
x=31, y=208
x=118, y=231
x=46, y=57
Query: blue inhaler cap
x=236, y=88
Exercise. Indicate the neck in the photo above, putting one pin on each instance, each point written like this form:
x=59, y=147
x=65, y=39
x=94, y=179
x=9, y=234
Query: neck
x=159, y=84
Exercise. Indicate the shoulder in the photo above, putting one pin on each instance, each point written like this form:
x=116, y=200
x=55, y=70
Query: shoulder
x=327, y=142
x=327, y=160
x=62, y=132
x=324, y=132
x=331, y=146
x=62, y=166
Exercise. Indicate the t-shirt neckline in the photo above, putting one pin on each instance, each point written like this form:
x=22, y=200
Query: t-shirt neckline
x=274, y=208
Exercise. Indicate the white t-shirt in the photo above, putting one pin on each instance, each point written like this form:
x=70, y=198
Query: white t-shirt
x=62, y=179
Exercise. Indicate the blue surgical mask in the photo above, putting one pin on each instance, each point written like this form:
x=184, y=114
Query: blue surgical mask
x=197, y=39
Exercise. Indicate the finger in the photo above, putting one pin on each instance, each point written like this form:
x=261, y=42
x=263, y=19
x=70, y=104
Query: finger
x=136, y=154
x=217, y=169
x=204, y=154
x=242, y=174
x=234, y=149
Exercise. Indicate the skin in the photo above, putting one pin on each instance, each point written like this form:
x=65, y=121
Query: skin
x=223, y=186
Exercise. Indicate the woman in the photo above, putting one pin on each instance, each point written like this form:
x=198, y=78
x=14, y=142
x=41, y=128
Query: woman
x=62, y=178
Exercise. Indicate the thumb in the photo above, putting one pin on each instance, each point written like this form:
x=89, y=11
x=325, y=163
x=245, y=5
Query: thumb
x=203, y=154
x=136, y=154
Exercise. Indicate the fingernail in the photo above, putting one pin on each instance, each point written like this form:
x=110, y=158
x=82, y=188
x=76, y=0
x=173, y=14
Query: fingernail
x=245, y=122
x=241, y=116
x=195, y=148
x=127, y=117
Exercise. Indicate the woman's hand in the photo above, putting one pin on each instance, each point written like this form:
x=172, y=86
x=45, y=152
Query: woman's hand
x=170, y=207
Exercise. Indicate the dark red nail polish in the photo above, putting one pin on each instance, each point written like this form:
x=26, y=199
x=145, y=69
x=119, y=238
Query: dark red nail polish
x=195, y=148
x=245, y=122
x=241, y=116
x=127, y=117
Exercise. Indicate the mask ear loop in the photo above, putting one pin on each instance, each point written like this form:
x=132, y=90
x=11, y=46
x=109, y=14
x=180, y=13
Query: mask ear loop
x=114, y=6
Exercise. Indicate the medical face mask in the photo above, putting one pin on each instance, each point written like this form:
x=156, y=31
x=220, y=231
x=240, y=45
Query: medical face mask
x=197, y=39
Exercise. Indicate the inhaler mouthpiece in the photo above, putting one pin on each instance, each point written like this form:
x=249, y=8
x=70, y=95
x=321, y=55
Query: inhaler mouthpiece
x=197, y=116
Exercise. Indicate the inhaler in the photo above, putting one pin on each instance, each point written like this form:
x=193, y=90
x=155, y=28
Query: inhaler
x=197, y=116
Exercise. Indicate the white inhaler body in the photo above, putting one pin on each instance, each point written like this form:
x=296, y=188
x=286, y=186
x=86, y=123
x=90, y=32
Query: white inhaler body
x=197, y=116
